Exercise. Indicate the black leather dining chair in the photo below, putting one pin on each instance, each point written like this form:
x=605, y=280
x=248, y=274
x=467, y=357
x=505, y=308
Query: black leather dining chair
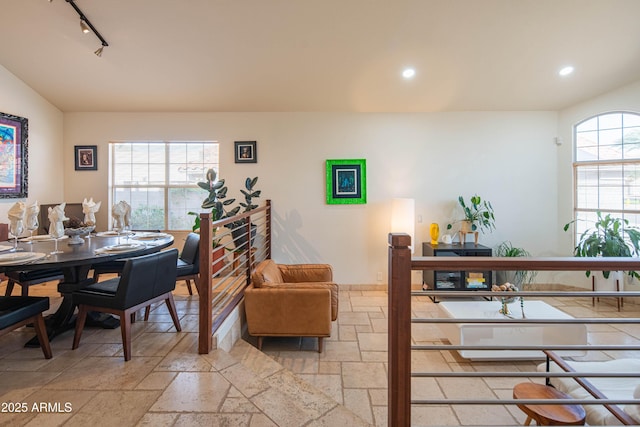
x=189, y=261
x=113, y=267
x=145, y=279
x=188, y=267
x=24, y=279
x=16, y=312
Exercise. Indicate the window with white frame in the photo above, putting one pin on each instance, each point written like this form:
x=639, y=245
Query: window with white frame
x=607, y=168
x=158, y=180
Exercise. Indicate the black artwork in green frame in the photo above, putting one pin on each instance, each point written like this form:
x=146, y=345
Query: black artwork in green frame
x=346, y=181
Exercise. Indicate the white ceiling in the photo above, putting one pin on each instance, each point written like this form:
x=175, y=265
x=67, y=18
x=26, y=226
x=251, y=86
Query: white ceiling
x=321, y=55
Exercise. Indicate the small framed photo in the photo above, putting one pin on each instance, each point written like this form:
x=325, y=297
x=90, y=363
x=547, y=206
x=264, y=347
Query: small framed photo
x=86, y=157
x=245, y=152
x=347, y=181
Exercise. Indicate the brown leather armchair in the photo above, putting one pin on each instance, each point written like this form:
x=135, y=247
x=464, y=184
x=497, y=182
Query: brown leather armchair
x=298, y=300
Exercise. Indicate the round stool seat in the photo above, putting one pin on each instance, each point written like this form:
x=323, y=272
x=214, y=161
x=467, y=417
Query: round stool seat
x=546, y=415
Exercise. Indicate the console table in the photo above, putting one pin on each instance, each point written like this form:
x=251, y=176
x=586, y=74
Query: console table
x=456, y=280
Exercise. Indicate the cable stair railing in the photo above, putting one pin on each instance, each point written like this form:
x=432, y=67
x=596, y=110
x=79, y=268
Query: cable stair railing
x=220, y=290
x=400, y=347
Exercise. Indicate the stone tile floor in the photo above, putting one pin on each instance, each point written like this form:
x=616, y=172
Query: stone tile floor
x=168, y=384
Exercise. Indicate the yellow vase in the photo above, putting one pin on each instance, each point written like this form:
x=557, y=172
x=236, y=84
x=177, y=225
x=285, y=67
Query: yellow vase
x=434, y=231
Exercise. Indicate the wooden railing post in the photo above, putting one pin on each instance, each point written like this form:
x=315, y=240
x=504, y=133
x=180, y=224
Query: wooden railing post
x=205, y=320
x=399, y=410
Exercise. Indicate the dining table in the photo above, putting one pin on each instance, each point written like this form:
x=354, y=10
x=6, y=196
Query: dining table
x=75, y=258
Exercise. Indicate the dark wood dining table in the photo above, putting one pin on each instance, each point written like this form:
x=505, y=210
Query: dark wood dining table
x=75, y=261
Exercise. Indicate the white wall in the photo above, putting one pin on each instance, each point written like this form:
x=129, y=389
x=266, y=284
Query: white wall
x=507, y=157
x=44, y=145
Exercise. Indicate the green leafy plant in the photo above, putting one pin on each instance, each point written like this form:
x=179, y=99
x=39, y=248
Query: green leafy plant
x=249, y=192
x=478, y=212
x=214, y=201
x=520, y=278
x=609, y=237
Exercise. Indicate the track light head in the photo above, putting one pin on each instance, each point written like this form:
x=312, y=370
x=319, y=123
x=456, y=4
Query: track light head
x=83, y=26
x=99, y=52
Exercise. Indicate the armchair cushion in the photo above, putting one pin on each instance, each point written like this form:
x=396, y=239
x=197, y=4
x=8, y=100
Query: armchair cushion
x=306, y=273
x=266, y=272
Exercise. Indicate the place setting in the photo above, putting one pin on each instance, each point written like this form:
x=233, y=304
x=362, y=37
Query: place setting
x=119, y=248
x=149, y=236
x=14, y=258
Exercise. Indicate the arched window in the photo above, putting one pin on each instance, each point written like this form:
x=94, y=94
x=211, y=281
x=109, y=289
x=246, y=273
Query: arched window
x=607, y=168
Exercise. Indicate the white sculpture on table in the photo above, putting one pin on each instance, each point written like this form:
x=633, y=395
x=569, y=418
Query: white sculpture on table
x=89, y=208
x=56, y=219
x=121, y=213
x=16, y=217
x=33, y=210
x=56, y=226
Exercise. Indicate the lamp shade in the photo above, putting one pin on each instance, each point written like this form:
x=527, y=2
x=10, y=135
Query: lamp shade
x=403, y=218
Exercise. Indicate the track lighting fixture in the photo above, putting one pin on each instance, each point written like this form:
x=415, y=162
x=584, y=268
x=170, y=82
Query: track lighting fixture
x=87, y=26
x=84, y=27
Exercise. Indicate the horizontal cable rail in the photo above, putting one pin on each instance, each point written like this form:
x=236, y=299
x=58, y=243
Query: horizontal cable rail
x=241, y=242
x=400, y=347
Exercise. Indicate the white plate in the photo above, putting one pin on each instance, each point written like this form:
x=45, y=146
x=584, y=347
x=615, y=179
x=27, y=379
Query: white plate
x=5, y=248
x=43, y=238
x=20, y=257
x=107, y=234
x=125, y=247
x=150, y=236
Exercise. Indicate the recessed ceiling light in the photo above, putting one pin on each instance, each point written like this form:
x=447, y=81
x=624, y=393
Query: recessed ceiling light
x=408, y=73
x=565, y=71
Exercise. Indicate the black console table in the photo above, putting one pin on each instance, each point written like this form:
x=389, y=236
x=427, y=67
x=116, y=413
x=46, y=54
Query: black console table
x=456, y=280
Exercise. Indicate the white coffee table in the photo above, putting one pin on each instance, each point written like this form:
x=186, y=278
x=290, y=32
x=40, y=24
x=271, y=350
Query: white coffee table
x=509, y=334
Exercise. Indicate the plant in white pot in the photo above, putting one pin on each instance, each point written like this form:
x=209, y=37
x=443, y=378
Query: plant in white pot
x=478, y=215
x=609, y=237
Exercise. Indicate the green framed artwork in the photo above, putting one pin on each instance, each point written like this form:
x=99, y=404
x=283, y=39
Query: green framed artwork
x=346, y=181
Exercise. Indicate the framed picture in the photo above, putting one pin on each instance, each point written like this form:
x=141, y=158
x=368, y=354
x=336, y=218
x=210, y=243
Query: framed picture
x=14, y=132
x=86, y=157
x=245, y=152
x=346, y=181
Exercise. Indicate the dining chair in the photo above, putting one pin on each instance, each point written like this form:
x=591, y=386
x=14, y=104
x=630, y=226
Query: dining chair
x=189, y=261
x=188, y=265
x=145, y=279
x=113, y=267
x=25, y=279
x=16, y=312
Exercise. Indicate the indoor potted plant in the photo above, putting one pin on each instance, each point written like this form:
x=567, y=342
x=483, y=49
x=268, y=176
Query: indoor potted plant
x=238, y=229
x=216, y=201
x=478, y=215
x=519, y=278
x=608, y=237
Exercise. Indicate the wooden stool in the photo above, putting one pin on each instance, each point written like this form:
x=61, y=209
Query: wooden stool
x=463, y=237
x=548, y=415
